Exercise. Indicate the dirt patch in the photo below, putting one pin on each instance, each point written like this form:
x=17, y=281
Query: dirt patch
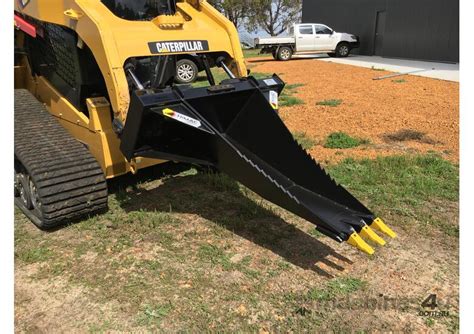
x=368, y=108
x=408, y=135
x=56, y=306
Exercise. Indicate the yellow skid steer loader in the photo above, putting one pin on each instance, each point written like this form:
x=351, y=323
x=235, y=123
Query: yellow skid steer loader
x=95, y=99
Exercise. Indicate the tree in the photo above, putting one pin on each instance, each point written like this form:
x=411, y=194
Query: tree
x=274, y=16
x=235, y=10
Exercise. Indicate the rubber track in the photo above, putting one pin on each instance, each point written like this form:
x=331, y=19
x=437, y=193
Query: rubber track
x=69, y=180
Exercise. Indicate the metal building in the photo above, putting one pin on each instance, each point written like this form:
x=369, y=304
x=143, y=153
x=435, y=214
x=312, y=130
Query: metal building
x=412, y=29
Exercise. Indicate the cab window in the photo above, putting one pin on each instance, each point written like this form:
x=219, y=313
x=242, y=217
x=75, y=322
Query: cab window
x=306, y=30
x=322, y=30
x=140, y=10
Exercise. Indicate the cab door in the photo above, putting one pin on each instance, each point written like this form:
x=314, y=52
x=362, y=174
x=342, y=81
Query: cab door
x=305, y=37
x=325, y=39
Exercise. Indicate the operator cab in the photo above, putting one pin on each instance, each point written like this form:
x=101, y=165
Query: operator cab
x=140, y=10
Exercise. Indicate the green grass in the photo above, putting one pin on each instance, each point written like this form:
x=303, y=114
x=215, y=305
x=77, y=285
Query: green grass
x=287, y=98
x=377, y=69
x=409, y=186
x=152, y=315
x=292, y=87
x=35, y=255
x=288, y=101
x=260, y=75
x=302, y=138
x=218, y=74
x=410, y=179
x=214, y=255
x=335, y=288
x=178, y=246
x=315, y=233
x=399, y=81
x=253, y=53
x=330, y=103
x=429, y=322
x=342, y=140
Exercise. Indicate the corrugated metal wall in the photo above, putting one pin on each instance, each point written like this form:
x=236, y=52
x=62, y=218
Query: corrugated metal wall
x=414, y=29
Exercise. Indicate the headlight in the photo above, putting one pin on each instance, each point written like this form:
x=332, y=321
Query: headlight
x=354, y=37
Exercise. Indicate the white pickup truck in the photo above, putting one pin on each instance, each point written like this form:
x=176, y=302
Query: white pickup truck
x=308, y=38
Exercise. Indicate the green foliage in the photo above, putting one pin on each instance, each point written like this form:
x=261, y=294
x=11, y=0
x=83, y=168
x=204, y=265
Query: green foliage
x=259, y=75
x=194, y=253
x=306, y=142
x=329, y=103
x=235, y=10
x=377, y=69
x=273, y=16
x=218, y=74
x=292, y=87
x=153, y=314
x=336, y=288
x=429, y=322
x=287, y=99
x=214, y=255
x=253, y=53
x=345, y=285
x=406, y=185
x=343, y=140
x=419, y=177
x=315, y=233
x=34, y=255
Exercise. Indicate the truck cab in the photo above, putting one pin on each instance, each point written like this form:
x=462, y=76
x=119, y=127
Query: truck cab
x=309, y=38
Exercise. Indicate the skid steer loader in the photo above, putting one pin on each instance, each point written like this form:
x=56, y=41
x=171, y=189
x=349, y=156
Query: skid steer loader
x=95, y=99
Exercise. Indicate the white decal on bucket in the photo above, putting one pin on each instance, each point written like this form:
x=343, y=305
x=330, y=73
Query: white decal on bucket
x=181, y=118
x=270, y=82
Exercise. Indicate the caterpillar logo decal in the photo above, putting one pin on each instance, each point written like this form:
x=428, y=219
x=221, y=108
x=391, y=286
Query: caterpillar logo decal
x=181, y=118
x=178, y=46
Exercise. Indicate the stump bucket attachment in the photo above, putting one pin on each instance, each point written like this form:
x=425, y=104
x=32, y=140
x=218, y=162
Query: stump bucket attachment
x=234, y=127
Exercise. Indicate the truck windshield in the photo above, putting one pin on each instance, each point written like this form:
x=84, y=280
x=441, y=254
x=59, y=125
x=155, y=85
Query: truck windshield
x=140, y=10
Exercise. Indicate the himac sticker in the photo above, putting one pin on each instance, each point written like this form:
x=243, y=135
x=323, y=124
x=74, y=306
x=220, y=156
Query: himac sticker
x=189, y=46
x=181, y=118
x=273, y=99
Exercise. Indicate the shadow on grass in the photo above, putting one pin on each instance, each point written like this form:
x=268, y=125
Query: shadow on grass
x=220, y=200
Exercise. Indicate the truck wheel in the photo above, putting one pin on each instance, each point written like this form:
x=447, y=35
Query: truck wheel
x=186, y=71
x=343, y=50
x=284, y=53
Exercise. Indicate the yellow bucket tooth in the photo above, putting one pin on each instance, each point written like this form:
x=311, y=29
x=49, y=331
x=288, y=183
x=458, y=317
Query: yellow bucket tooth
x=368, y=233
x=356, y=241
x=378, y=224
